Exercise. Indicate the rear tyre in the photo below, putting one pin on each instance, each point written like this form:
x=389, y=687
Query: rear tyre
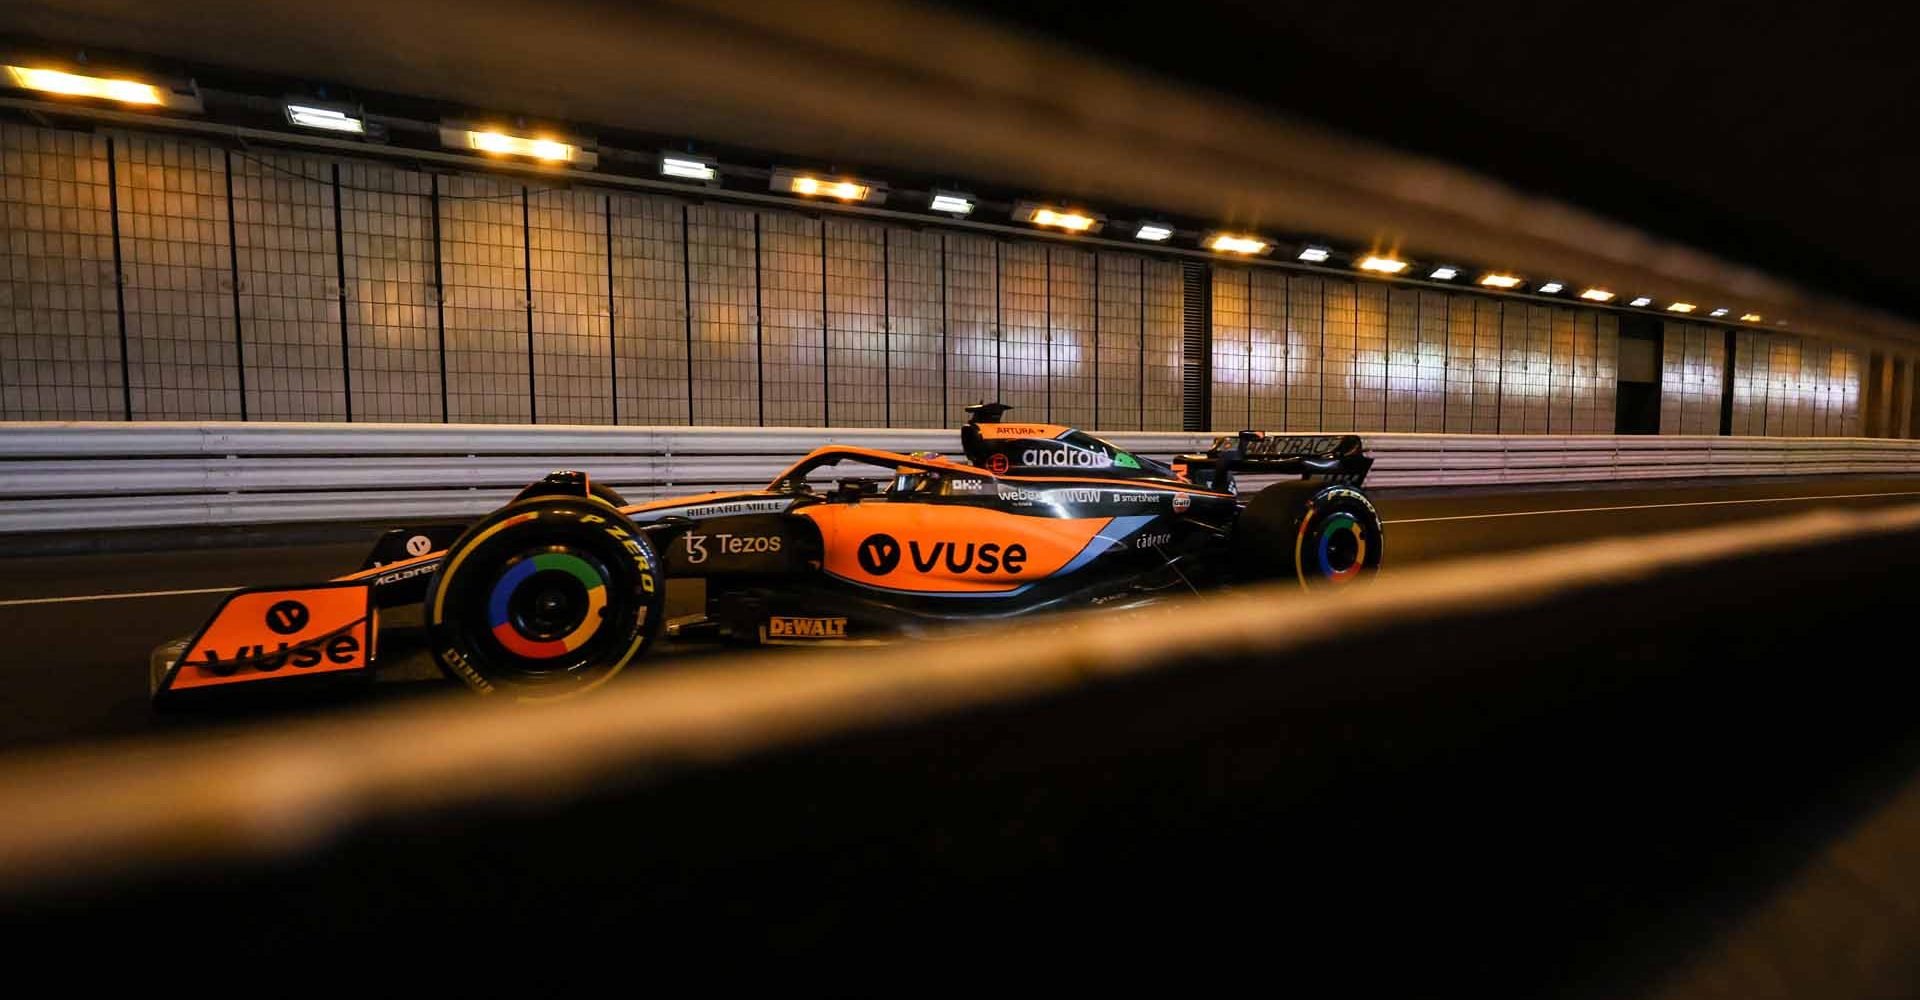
x=1319, y=535
x=545, y=598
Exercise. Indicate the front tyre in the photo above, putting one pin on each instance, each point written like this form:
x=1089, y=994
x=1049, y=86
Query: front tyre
x=545, y=598
x=1326, y=535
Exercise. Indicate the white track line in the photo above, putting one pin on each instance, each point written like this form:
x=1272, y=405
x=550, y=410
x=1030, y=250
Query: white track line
x=1404, y=520
x=117, y=597
x=1645, y=506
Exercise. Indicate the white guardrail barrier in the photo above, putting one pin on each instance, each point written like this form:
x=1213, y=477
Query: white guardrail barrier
x=72, y=476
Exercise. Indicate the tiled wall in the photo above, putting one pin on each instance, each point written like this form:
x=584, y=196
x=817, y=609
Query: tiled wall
x=282, y=286
x=1313, y=353
x=1785, y=385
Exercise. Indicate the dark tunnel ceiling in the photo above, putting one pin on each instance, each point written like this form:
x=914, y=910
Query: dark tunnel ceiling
x=1780, y=136
x=1780, y=139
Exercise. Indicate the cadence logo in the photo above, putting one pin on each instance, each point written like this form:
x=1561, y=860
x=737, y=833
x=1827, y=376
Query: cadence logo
x=879, y=554
x=1070, y=458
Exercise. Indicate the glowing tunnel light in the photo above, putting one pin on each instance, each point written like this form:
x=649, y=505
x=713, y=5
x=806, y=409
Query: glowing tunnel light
x=843, y=190
x=1315, y=255
x=1065, y=220
x=1383, y=265
x=806, y=185
x=1072, y=220
x=324, y=118
x=1750, y=318
x=1718, y=313
x=549, y=150
x=1682, y=307
x=951, y=202
x=1230, y=243
x=1641, y=302
x=1154, y=232
x=1444, y=273
x=1551, y=288
x=687, y=168
x=1501, y=280
x=53, y=81
x=1597, y=295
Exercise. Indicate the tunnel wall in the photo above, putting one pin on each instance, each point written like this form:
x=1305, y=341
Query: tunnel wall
x=279, y=286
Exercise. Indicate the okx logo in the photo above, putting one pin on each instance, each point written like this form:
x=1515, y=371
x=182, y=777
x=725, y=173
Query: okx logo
x=879, y=554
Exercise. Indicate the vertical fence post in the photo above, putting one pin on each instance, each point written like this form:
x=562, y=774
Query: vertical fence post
x=119, y=276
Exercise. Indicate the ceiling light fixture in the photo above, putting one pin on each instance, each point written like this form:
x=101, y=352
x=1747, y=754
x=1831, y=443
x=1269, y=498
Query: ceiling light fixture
x=1231, y=243
x=688, y=167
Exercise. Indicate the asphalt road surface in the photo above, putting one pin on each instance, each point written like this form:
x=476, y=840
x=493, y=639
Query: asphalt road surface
x=81, y=616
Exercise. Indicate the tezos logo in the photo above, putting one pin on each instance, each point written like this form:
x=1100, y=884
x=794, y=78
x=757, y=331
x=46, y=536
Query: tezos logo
x=1071, y=458
x=732, y=545
x=287, y=617
x=880, y=554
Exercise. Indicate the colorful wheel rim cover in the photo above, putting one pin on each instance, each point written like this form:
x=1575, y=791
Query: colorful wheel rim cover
x=503, y=589
x=1337, y=523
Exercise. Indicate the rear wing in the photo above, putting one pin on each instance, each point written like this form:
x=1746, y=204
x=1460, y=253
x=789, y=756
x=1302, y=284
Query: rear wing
x=1338, y=458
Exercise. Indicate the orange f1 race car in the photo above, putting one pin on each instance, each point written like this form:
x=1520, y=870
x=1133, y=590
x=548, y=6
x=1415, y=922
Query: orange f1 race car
x=559, y=590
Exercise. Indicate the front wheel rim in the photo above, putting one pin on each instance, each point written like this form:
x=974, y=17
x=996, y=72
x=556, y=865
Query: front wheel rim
x=546, y=605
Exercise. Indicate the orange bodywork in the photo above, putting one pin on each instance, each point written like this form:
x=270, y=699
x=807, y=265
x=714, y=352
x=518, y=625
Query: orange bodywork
x=946, y=548
x=268, y=634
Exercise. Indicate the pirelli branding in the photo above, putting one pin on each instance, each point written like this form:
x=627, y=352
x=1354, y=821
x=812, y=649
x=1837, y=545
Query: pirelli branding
x=781, y=627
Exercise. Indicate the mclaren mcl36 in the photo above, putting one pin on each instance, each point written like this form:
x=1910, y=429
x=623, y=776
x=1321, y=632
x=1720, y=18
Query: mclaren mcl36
x=561, y=589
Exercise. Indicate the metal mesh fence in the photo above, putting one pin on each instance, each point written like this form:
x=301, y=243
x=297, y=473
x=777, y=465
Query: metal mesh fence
x=792, y=320
x=1120, y=323
x=1163, y=333
x=59, y=315
x=973, y=319
x=289, y=291
x=1404, y=357
x=393, y=315
x=1370, y=358
x=650, y=331
x=859, y=382
x=277, y=286
x=175, y=247
x=483, y=268
x=573, y=362
x=722, y=270
x=1231, y=345
x=1072, y=361
x=916, y=329
x=1023, y=329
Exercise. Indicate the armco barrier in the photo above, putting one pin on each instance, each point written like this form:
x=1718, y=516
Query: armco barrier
x=65, y=476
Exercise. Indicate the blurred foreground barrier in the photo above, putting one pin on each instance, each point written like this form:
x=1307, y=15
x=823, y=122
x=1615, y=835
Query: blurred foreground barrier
x=1556, y=772
x=68, y=476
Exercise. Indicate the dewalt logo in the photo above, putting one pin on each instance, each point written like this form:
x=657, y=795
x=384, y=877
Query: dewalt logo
x=806, y=628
